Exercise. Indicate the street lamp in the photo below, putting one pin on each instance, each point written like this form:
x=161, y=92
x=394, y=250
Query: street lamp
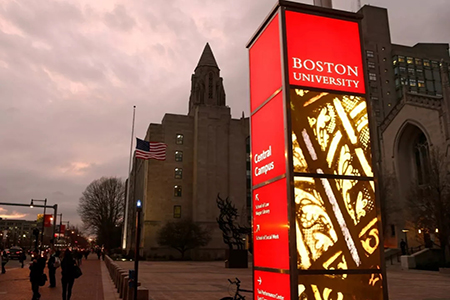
x=138, y=242
x=43, y=218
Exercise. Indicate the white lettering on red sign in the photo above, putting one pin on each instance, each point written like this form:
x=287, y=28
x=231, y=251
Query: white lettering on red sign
x=328, y=67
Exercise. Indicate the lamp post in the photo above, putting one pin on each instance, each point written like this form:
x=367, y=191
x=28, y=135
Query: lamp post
x=43, y=218
x=138, y=242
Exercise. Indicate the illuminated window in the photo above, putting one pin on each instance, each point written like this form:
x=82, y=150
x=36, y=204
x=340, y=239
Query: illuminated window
x=395, y=60
x=180, y=138
x=178, y=155
x=372, y=76
x=418, y=61
x=178, y=173
x=421, y=83
x=412, y=82
x=177, y=191
x=409, y=60
x=177, y=211
x=371, y=64
x=401, y=59
x=426, y=63
x=369, y=53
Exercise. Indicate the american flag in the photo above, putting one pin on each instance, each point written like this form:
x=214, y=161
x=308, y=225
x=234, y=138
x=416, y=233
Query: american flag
x=147, y=150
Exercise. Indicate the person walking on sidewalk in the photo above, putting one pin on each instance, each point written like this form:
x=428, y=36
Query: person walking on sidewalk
x=4, y=259
x=36, y=273
x=68, y=274
x=53, y=264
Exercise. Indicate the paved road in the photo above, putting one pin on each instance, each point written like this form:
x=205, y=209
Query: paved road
x=15, y=284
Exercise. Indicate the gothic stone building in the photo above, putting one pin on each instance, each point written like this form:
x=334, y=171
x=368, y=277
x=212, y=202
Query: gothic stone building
x=207, y=155
x=410, y=99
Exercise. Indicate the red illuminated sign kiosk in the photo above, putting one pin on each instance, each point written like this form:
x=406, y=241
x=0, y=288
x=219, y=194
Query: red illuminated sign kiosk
x=316, y=220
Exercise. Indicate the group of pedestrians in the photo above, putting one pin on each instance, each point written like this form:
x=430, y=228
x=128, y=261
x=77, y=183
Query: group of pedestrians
x=69, y=271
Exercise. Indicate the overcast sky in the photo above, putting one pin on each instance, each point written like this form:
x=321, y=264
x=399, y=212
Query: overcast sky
x=71, y=71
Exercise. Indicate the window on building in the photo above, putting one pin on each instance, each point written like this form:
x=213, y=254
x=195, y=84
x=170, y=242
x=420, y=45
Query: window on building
x=412, y=82
x=421, y=155
x=428, y=75
x=178, y=155
x=411, y=72
x=371, y=64
x=419, y=73
x=435, y=65
x=177, y=191
x=409, y=60
x=426, y=63
x=180, y=139
x=210, y=86
x=401, y=59
x=421, y=83
x=177, y=211
x=402, y=70
x=418, y=61
x=372, y=76
x=369, y=53
x=437, y=75
x=430, y=86
x=178, y=173
x=397, y=82
x=395, y=60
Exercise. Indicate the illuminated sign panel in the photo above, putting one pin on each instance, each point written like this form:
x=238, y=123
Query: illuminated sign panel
x=271, y=286
x=324, y=53
x=270, y=226
x=267, y=140
x=347, y=286
x=265, y=65
x=316, y=221
x=330, y=133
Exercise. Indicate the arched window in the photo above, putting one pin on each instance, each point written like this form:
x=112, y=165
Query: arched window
x=210, y=86
x=421, y=158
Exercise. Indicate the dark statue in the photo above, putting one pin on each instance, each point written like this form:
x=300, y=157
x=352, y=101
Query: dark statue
x=233, y=235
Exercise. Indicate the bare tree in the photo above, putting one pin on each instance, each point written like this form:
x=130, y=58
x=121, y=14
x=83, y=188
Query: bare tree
x=101, y=210
x=183, y=235
x=429, y=202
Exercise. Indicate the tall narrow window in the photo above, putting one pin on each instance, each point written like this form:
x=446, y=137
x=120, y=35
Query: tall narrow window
x=177, y=191
x=210, y=86
x=177, y=211
x=178, y=155
x=178, y=173
x=421, y=155
x=180, y=139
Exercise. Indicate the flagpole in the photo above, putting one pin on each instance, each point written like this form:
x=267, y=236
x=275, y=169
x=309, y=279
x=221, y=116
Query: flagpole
x=125, y=225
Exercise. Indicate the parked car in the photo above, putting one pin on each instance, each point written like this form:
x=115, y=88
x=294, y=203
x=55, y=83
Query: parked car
x=15, y=252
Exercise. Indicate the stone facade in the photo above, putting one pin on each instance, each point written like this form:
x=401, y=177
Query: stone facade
x=409, y=100
x=206, y=156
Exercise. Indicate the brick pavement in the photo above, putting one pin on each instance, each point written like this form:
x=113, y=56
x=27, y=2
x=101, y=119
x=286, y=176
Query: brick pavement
x=208, y=280
x=15, y=284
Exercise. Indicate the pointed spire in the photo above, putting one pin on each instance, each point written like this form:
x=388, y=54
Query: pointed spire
x=207, y=59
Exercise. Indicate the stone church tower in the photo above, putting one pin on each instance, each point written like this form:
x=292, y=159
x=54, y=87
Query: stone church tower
x=207, y=155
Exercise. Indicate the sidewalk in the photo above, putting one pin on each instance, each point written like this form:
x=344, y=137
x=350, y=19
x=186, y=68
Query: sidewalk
x=15, y=284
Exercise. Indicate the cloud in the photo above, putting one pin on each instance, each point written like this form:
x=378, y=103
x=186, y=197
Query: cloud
x=71, y=71
x=4, y=214
x=119, y=19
